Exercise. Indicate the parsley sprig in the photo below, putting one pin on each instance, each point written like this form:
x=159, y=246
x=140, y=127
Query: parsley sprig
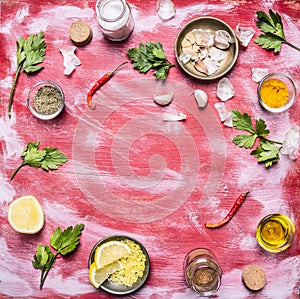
x=63, y=241
x=30, y=52
x=150, y=56
x=267, y=151
x=272, y=27
x=48, y=158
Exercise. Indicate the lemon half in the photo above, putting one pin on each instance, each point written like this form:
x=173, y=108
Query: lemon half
x=98, y=276
x=25, y=215
x=110, y=252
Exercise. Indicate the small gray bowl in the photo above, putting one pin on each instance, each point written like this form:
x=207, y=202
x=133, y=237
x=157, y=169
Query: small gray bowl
x=291, y=92
x=52, y=104
x=111, y=287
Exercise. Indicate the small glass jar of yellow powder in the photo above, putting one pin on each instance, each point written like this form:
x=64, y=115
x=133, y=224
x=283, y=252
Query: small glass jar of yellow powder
x=276, y=92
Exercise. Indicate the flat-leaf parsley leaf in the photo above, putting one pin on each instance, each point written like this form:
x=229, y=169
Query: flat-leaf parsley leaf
x=266, y=152
x=30, y=53
x=63, y=241
x=272, y=27
x=48, y=158
x=150, y=56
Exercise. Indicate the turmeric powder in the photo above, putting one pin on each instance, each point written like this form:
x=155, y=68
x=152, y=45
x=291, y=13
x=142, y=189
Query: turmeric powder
x=274, y=93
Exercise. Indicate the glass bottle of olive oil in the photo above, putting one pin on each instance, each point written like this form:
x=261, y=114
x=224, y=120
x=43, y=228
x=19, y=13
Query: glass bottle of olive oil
x=275, y=232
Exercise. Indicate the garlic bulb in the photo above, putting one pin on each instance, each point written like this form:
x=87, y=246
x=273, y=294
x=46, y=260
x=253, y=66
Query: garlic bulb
x=164, y=99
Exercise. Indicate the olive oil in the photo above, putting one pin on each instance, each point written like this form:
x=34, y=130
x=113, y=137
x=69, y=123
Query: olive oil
x=275, y=233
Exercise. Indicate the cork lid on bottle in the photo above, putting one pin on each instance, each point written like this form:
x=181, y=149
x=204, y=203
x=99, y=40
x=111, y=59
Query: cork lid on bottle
x=80, y=33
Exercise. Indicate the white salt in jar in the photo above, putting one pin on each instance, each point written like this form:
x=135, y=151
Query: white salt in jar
x=115, y=19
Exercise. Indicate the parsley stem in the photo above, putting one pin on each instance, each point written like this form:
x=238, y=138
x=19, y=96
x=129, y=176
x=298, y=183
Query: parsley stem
x=12, y=92
x=16, y=170
x=291, y=45
x=45, y=273
x=269, y=140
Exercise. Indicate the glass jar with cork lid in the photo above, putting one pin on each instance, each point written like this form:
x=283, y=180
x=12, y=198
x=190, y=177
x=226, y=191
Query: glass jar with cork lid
x=115, y=19
x=202, y=271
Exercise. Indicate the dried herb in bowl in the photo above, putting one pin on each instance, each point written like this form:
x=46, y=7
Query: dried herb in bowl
x=47, y=100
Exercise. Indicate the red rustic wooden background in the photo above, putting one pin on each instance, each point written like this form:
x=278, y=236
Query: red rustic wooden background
x=129, y=172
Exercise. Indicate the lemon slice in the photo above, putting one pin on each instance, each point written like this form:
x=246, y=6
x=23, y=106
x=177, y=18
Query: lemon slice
x=110, y=252
x=98, y=276
x=25, y=215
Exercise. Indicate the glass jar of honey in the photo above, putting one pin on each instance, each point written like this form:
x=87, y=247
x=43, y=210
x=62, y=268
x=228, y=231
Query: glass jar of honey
x=275, y=232
x=202, y=271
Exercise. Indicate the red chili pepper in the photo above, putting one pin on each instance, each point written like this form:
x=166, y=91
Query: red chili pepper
x=99, y=83
x=233, y=210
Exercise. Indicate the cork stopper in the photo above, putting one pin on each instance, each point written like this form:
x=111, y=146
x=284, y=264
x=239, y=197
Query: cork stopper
x=80, y=33
x=254, y=277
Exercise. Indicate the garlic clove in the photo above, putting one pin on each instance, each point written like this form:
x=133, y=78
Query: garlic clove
x=186, y=43
x=259, y=73
x=244, y=34
x=216, y=54
x=191, y=37
x=290, y=144
x=212, y=65
x=201, y=98
x=185, y=58
x=225, y=34
x=163, y=99
x=225, y=90
x=174, y=117
x=201, y=67
x=203, y=38
x=165, y=9
x=221, y=43
x=222, y=39
x=225, y=115
x=70, y=59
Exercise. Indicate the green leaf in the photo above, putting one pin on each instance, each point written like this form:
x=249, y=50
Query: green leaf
x=244, y=140
x=272, y=24
x=159, y=53
x=53, y=158
x=66, y=241
x=47, y=158
x=150, y=56
x=63, y=241
x=269, y=41
x=161, y=73
x=32, y=156
x=43, y=259
x=30, y=52
x=261, y=128
x=242, y=121
x=267, y=153
x=272, y=27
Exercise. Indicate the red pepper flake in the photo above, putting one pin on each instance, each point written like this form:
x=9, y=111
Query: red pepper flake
x=233, y=210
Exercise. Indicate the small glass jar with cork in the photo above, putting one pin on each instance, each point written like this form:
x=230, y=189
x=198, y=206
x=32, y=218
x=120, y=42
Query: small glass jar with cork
x=115, y=19
x=202, y=271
